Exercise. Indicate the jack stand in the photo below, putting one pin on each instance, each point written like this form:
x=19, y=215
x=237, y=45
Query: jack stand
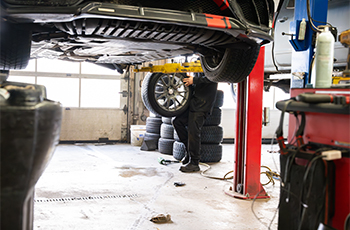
x=246, y=183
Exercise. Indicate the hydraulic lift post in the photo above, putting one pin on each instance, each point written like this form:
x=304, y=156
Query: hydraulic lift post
x=247, y=163
x=304, y=49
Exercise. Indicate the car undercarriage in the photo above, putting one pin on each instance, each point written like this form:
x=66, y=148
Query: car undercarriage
x=127, y=32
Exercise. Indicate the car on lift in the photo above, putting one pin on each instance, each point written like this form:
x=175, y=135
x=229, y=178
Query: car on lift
x=226, y=34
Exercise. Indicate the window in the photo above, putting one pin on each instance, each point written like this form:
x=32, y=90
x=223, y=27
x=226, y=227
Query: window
x=100, y=93
x=91, y=68
x=30, y=66
x=30, y=80
x=66, y=83
x=63, y=90
x=57, y=66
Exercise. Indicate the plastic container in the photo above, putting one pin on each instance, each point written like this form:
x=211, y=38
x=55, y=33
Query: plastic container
x=137, y=134
x=302, y=30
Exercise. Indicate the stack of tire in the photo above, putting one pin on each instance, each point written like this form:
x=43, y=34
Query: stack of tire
x=211, y=136
x=152, y=135
x=166, y=140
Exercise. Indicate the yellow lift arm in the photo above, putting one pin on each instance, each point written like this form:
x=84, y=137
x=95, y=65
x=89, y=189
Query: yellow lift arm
x=173, y=68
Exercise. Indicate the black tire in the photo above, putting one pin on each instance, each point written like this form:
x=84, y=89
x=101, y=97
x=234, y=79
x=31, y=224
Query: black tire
x=151, y=137
x=179, y=150
x=171, y=100
x=219, y=101
x=4, y=74
x=167, y=131
x=209, y=135
x=233, y=65
x=15, y=46
x=212, y=134
x=167, y=120
x=214, y=118
x=153, y=124
x=209, y=153
x=165, y=146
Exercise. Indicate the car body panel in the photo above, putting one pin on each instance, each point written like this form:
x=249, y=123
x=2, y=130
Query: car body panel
x=123, y=12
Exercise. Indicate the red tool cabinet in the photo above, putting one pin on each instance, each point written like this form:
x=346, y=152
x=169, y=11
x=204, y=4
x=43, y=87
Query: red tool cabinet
x=330, y=129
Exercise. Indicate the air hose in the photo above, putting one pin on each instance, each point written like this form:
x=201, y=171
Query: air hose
x=213, y=177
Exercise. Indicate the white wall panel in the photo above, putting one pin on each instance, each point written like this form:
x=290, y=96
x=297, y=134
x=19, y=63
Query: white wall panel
x=228, y=122
x=91, y=124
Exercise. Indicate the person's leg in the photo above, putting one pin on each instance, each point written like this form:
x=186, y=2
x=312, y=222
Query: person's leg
x=180, y=125
x=195, y=124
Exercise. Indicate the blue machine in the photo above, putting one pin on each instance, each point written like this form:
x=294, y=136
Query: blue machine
x=304, y=49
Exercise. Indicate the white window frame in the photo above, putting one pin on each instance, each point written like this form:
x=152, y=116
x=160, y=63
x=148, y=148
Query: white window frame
x=79, y=75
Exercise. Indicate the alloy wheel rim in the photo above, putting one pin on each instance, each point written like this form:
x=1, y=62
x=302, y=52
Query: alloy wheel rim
x=170, y=93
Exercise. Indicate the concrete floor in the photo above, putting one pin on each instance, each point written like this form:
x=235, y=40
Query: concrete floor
x=120, y=187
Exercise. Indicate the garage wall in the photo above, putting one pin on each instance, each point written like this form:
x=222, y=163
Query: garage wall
x=228, y=122
x=269, y=130
x=91, y=124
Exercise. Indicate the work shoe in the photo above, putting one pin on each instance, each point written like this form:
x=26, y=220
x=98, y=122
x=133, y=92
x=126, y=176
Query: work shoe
x=186, y=159
x=189, y=168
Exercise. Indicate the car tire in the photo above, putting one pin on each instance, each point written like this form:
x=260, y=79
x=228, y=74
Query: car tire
x=167, y=131
x=179, y=150
x=165, y=94
x=209, y=135
x=232, y=66
x=167, y=120
x=214, y=118
x=151, y=136
x=165, y=146
x=209, y=153
x=219, y=100
x=15, y=46
x=153, y=124
x=4, y=74
x=212, y=134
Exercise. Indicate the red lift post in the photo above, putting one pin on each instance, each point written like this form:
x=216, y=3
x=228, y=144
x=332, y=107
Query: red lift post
x=247, y=162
